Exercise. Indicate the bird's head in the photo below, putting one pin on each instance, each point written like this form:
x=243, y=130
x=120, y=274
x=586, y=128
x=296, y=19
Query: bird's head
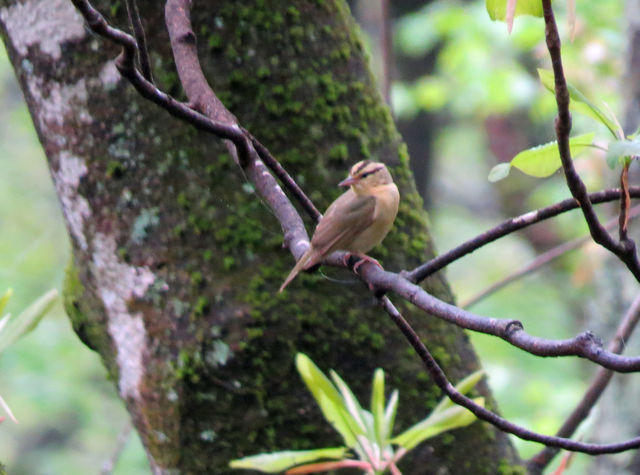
x=365, y=175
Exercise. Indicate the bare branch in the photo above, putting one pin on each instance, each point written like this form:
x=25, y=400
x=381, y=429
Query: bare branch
x=540, y=261
x=584, y=345
x=141, y=40
x=596, y=388
x=507, y=227
x=284, y=177
x=443, y=383
x=121, y=443
x=625, y=249
x=295, y=234
x=625, y=203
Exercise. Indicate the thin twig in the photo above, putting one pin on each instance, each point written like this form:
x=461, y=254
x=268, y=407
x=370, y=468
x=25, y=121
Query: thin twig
x=596, y=388
x=625, y=203
x=284, y=177
x=540, y=261
x=624, y=249
x=440, y=379
x=121, y=442
x=138, y=32
x=507, y=227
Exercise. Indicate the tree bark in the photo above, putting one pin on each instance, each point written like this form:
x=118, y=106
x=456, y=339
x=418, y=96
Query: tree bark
x=176, y=263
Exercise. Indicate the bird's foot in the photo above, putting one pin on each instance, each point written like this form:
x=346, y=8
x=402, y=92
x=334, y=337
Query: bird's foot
x=362, y=259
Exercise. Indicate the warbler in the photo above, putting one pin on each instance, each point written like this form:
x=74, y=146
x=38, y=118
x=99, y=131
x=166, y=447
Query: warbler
x=357, y=221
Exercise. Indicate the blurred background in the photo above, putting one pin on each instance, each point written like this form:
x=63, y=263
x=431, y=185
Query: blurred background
x=466, y=97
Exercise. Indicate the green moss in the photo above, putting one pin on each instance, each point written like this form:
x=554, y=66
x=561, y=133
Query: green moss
x=115, y=169
x=86, y=320
x=339, y=152
x=201, y=306
x=73, y=291
x=507, y=468
x=189, y=366
x=182, y=200
x=228, y=262
x=196, y=278
x=263, y=72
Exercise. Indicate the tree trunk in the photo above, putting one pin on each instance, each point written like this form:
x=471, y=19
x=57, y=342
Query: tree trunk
x=176, y=263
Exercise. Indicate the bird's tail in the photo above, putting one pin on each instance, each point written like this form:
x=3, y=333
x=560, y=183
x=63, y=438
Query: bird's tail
x=302, y=262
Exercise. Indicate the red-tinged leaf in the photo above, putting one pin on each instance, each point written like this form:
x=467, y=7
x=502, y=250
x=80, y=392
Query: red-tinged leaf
x=326, y=466
x=564, y=463
x=277, y=462
x=498, y=9
x=511, y=14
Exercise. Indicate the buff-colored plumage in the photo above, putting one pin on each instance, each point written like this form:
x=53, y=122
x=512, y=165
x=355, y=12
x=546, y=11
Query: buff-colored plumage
x=358, y=220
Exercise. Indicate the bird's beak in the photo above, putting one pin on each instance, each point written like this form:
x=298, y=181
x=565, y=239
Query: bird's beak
x=348, y=181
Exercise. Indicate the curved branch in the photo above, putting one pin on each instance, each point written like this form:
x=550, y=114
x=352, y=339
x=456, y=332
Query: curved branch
x=626, y=248
x=443, y=383
x=141, y=40
x=542, y=260
x=596, y=388
x=584, y=345
x=507, y=227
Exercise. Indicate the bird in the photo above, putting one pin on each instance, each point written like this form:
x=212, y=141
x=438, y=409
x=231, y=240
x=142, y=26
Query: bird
x=357, y=221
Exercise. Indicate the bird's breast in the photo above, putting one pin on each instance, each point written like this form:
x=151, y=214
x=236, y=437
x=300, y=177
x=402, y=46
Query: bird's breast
x=387, y=200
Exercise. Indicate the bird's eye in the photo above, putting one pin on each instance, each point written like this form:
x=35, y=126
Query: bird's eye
x=370, y=172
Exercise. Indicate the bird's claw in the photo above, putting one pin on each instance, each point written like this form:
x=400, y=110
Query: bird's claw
x=362, y=259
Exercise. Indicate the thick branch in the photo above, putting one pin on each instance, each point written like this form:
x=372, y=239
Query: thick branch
x=584, y=345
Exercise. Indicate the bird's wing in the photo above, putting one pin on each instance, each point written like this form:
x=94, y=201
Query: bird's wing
x=344, y=220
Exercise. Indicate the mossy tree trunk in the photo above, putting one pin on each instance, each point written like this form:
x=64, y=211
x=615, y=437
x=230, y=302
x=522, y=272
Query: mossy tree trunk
x=176, y=263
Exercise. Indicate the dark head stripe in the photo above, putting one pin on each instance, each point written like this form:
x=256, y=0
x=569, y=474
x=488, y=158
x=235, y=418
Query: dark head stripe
x=362, y=165
x=372, y=171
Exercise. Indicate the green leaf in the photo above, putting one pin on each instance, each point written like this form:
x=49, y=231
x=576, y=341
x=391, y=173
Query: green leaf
x=619, y=149
x=544, y=160
x=500, y=171
x=280, y=461
x=328, y=398
x=353, y=406
x=27, y=320
x=390, y=414
x=464, y=386
x=377, y=405
x=579, y=101
x=447, y=419
x=4, y=299
x=497, y=9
